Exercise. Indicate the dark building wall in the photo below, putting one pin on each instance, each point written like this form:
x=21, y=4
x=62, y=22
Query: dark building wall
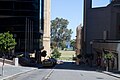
x=87, y=8
x=115, y=22
x=98, y=20
x=21, y=17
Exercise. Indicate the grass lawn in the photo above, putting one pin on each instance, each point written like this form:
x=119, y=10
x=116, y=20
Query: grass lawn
x=67, y=55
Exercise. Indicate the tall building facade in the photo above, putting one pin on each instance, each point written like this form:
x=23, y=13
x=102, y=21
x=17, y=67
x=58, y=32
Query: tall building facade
x=22, y=19
x=100, y=21
x=101, y=24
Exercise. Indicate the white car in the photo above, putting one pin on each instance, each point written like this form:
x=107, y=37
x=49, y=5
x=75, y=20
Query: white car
x=60, y=62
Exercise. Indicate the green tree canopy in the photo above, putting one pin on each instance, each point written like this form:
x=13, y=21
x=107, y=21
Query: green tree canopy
x=59, y=32
x=7, y=42
x=56, y=53
x=72, y=43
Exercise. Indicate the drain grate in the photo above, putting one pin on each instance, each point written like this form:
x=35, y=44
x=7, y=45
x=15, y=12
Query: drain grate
x=99, y=78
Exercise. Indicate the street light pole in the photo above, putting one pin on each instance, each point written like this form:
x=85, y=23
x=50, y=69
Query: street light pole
x=91, y=44
x=26, y=36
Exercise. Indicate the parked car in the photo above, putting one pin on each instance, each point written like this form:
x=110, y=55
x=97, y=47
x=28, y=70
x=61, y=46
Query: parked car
x=49, y=62
x=54, y=61
x=26, y=60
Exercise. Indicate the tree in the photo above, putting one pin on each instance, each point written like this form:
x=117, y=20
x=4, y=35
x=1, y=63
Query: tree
x=7, y=43
x=59, y=32
x=56, y=53
x=72, y=43
x=62, y=44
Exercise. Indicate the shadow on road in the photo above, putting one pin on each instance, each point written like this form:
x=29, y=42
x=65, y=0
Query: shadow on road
x=73, y=66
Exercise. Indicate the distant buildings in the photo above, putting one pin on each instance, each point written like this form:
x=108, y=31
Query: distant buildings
x=101, y=25
x=78, y=39
x=78, y=43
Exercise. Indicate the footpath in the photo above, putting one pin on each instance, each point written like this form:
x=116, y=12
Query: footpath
x=114, y=74
x=111, y=73
x=11, y=71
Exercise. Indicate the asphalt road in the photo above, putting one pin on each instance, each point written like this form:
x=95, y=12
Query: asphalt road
x=66, y=71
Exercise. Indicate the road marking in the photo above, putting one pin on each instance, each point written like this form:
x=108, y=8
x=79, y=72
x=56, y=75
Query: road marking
x=49, y=74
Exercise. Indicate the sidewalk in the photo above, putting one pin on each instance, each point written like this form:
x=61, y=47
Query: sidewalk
x=93, y=68
x=115, y=74
x=11, y=70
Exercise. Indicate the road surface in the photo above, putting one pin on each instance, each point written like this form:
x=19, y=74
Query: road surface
x=65, y=71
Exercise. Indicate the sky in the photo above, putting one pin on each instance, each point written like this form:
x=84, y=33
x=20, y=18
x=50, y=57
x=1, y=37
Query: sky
x=72, y=10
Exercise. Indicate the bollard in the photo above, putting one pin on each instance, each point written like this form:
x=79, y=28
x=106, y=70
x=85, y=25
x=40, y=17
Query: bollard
x=16, y=62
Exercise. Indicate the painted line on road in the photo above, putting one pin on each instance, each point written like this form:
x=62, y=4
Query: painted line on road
x=49, y=74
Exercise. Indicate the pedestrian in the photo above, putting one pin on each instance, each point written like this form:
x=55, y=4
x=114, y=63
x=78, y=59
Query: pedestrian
x=105, y=63
x=112, y=63
x=99, y=62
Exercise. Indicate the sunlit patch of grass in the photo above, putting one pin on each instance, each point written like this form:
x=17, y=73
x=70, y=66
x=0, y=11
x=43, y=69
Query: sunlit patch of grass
x=67, y=55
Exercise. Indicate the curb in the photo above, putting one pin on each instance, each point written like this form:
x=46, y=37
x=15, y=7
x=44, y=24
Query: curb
x=15, y=75
x=111, y=74
x=108, y=73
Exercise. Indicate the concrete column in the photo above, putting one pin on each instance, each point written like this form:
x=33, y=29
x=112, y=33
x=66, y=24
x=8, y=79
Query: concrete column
x=46, y=36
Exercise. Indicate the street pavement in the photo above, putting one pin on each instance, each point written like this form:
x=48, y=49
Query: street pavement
x=11, y=70
x=88, y=68
x=65, y=71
